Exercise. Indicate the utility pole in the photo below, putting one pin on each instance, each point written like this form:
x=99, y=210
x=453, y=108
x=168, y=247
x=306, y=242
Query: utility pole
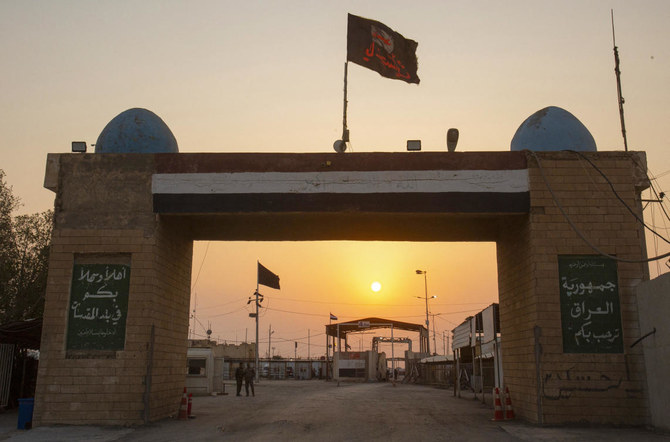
x=257, y=298
x=258, y=371
x=308, y=344
x=434, y=340
x=425, y=286
x=269, y=339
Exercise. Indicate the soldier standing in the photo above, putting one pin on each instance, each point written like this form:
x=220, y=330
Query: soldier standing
x=239, y=377
x=249, y=376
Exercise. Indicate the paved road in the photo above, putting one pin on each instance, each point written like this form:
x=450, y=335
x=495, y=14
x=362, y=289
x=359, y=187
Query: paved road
x=324, y=411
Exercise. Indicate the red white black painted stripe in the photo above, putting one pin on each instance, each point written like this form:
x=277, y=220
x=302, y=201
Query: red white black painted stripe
x=401, y=191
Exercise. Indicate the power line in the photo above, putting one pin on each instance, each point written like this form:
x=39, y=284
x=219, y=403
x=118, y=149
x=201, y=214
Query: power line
x=362, y=305
x=579, y=232
x=221, y=305
x=228, y=313
x=200, y=268
x=662, y=174
x=609, y=182
x=658, y=197
x=296, y=313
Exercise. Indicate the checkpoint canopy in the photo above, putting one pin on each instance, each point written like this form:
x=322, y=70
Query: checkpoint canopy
x=371, y=323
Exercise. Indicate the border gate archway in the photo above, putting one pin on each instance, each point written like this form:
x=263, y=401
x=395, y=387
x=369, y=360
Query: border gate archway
x=135, y=217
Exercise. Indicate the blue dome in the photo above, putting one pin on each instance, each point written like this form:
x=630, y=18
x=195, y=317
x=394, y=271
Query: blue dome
x=551, y=129
x=136, y=131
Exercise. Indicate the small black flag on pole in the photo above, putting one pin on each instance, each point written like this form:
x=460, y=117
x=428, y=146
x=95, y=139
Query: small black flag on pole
x=267, y=278
x=375, y=46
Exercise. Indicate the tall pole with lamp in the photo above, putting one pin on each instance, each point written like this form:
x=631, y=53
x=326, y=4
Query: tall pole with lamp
x=425, y=285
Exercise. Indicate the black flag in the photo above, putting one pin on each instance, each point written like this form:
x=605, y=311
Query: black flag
x=267, y=278
x=375, y=46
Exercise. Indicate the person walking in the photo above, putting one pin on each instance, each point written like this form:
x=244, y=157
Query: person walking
x=249, y=376
x=239, y=377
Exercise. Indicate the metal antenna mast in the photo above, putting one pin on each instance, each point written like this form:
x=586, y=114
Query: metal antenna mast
x=618, y=85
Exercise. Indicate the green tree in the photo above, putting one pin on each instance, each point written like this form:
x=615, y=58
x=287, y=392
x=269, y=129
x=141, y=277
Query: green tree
x=24, y=258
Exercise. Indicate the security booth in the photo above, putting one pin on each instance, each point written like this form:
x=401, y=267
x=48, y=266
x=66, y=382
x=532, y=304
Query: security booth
x=201, y=371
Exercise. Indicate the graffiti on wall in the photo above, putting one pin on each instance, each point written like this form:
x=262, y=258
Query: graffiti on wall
x=563, y=384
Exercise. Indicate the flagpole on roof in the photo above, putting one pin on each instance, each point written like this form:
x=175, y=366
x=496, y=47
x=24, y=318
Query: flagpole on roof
x=345, y=131
x=341, y=145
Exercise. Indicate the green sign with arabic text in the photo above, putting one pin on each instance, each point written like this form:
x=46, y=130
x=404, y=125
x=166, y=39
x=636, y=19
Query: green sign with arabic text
x=590, y=307
x=98, y=307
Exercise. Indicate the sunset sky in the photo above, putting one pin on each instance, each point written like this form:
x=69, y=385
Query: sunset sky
x=231, y=76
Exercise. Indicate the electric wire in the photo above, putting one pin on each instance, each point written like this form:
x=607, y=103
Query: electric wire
x=653, y=184
x=388, y=317
x=577, y=231
x=227, y=313
x=658, y=197
x=295, y=313
x=362, y=305
x=662, y=174
x=201, y=324
x=200, y=268
x=655, y=243
x=221, y=305
x=611, y=185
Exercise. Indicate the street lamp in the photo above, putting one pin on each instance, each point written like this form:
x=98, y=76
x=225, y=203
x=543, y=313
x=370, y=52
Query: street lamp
x=425, y=285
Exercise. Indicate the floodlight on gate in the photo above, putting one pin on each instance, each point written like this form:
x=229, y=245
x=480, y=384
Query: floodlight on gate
x=79, y=146
x=414, y=145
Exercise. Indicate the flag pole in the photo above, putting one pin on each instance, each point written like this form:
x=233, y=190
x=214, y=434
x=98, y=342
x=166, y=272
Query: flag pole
x=257, y=288
x=345, y=131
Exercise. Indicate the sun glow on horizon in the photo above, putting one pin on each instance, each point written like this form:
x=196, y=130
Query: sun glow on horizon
x=376, y=286
x=319, y=278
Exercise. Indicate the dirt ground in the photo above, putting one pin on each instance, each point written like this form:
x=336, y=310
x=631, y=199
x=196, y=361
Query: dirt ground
x=323, y=411
x=319, y=410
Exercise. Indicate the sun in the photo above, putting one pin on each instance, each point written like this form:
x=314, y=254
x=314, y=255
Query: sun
x=376, y=286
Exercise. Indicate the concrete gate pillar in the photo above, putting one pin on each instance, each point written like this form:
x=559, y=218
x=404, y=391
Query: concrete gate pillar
x=104, y=216
x=550, y=385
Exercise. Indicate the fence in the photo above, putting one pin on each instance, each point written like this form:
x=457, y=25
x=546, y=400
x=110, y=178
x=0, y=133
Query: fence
x=441, y=374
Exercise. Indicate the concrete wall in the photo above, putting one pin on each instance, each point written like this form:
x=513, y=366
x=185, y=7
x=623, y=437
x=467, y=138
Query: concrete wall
x=654, y=304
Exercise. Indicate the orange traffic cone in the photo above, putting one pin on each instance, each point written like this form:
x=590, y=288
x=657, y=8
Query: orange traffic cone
x=190, y=403
x=498, y=415
x=509, y=411
x=183, y=407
